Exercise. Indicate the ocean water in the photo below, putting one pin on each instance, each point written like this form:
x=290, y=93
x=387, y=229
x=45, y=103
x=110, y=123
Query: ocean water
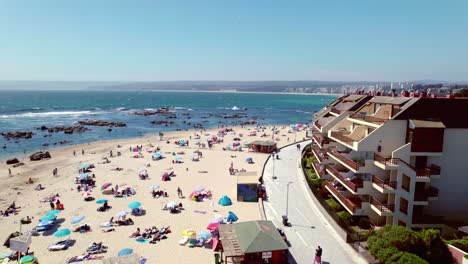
x=28, y=110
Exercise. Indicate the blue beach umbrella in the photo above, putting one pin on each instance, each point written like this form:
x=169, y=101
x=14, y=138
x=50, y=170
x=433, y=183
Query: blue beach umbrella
x=101, y=201
x=48, y=217
x=27, y=259
x=54, y=212
x=204, y=235
x=85, y=166
x=62, y=233
x=134, y=205
x=125, y=251
x=84, y=175
x=77, y=219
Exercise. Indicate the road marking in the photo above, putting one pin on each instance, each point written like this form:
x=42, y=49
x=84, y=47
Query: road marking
x=303, y=241
x=303, y=216
x=272, y=209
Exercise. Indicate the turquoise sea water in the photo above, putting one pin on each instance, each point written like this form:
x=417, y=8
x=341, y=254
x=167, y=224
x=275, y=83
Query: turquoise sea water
x=27, y=110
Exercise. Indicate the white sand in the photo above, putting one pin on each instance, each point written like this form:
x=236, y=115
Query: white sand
x=218, y=180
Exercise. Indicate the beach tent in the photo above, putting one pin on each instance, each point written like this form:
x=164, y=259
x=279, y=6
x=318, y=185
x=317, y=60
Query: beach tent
x=165, y=176
x=225, y=201
x=232, y=217
x=182, y=142
x=157, y=156
x=85, y=176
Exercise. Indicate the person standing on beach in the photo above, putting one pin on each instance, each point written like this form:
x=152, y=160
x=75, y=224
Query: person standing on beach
x=179, y=192
x=82, y=152
x=9, y=172
x=52, y=205
x=74, y=153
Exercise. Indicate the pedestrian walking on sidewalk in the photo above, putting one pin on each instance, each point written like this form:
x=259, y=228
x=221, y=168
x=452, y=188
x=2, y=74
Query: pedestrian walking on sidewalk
x=318, y=256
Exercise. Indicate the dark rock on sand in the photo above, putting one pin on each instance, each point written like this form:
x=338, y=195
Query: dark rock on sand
x=101, y=123
x=40, y=155
x=17, y=134
x=18, y=164
x=12, y=161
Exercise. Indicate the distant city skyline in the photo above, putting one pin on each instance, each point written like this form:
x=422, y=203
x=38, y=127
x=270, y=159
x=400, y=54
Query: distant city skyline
x=146, y=41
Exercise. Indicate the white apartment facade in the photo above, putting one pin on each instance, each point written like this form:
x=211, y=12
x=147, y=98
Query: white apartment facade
x=397, y=160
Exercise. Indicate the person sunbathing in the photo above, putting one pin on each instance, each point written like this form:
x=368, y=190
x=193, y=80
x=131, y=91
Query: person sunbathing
x=39, y=187
x=136, y=233
x=30, y=181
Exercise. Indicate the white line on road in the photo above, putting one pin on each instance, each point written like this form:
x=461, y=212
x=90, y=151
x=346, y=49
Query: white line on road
x=303, y=241
x=272, y=209
x=303, y=216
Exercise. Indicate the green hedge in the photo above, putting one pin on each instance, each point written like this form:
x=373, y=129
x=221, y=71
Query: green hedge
x=334, y=205
x=346, y=217
x=459, y=243
x=397, y=244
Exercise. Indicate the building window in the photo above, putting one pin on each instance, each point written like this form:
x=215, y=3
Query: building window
x=403, y=205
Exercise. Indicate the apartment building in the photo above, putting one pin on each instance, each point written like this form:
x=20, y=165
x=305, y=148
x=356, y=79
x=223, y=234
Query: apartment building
x=397, y=160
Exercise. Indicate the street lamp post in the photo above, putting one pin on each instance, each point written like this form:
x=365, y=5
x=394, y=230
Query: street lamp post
x=273, y=174
x=285, y=217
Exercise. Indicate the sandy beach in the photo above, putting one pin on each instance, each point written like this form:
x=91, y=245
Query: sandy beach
x=196, y=215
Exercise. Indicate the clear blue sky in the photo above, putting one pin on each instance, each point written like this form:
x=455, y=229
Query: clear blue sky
x=138, y=40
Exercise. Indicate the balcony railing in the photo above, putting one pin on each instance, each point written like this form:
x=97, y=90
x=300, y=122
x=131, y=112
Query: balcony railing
x=316, y=123
x=423, y=195
x=384, y=208
x=320, y=139
x=350, y=204
x=337, y=174
x=335, y=110
x=428, y=171
x=349, y=162
x=341, y=137
x=386, y=161
x=420, y=173
x=386, y=185
x=369, y=119
x=319, y=153
x=318, y=169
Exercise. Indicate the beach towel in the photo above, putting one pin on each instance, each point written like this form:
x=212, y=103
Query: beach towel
x=199, y=212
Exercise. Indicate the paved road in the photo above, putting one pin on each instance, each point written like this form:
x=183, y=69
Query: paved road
x=308, y=227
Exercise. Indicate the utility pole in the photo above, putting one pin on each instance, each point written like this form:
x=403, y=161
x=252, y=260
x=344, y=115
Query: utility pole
x=273, y=174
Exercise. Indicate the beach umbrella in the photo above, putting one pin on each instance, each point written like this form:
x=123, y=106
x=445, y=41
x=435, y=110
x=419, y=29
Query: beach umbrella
x=142, y=170
x=27, y=258
x=212, y=226
x=62, y=232
x=154, y=187
x=134, y=205
x=178, y=158
x=105, y=186
x=84, y=175
x=121, y=214
x=200, y=189
x=77, y=219
x=101, y=201
x=86, y=194
x=204, y=235
x=218, y=220
x=85, y=166
x=189, y=232
x=171, y=204
x=54, y=212
x=125, y=251
x=48, y=217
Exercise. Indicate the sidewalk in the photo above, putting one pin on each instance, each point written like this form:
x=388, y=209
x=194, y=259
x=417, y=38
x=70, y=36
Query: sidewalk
x=309, y=228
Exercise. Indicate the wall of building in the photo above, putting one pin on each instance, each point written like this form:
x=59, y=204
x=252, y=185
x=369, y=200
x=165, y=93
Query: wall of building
x=389, y=136
x=452, y=184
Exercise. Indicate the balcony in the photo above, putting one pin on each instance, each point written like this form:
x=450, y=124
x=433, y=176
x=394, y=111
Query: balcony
x=318, y=169
x=381, y=208
x=425, y=194
x=316, y=124
x=319, y=153
x=352, y=205
x=428, y=171
x=386, y=161
x=320, y=140
x=342, y=136
x=335, y=111
x=384, y=185
x=353, y=165
x=368, y=118
x=351, y=185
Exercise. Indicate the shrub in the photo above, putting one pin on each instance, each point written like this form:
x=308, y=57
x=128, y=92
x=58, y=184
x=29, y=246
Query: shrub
x=410, y=258
x=459, y=243
x=346, y=217
x=334, y=205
